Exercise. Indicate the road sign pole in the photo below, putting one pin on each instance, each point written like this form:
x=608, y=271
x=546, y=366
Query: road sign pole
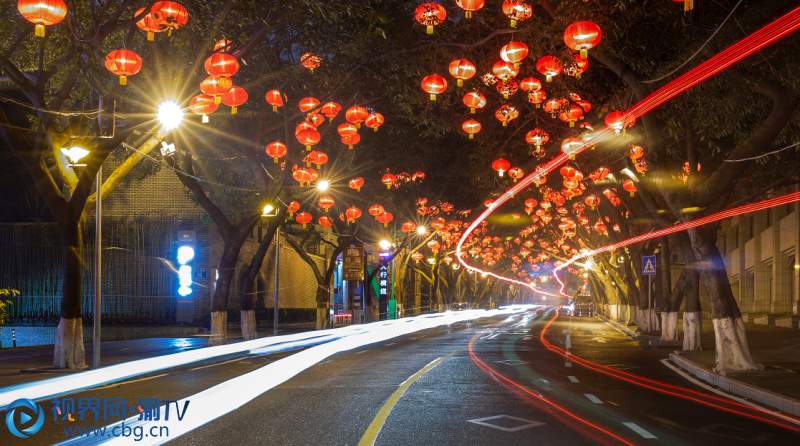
x=649, y=311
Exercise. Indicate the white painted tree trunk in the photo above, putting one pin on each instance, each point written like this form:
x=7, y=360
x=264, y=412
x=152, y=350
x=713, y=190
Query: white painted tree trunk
x=669, y=329
x=647, y=320
x=613, y=312
x=641, y=318
x=249, y=325
x=69, y=352
x=732, y=349
x=693, y=330
x=219, y=328
x=631, y=315
x=322, y=318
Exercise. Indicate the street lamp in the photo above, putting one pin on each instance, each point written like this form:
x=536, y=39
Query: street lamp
x=421, y=230
x=169, y=115
x=269, y=211
x=385, y=244
x=74, y=154
x=272, y=211
x=323, y=185
x=431, y=260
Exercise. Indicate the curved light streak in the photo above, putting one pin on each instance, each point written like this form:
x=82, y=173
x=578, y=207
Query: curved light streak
x=740, y=50
x=753, y=207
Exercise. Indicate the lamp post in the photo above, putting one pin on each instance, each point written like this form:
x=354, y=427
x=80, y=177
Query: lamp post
x=271, y=211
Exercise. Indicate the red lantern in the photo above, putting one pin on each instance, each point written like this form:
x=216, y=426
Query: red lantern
x=275, y=99
x=462, y=69
x=530, y=84
x=570, y=146
x=301, y=175
x=549, y=66
x=504, y=70
x=567, y=171
x=203, y=105
x=304, y=218
x=554, y=106
x=579, y=66
x=514, y=52
x=170, y=14
x=352, y=214
x=310, y=61
x=629, y=186
x=304, y=125
x=474, y=100
x=619, y=121
x=600, y=174
x=149, y=24
x=418, y=176
x=351, y=140
x=308, y=137
x=356, y=115
x=582, y=36
x=507, y=88
x=469, y=6
x=347, y=129
x=537, y=97
x=374, y=121
x=375, y=209
x=293, y=207
x=408, y=227
x=506, y=113
x=430, y=15
x=389, y=179
x=530, y=203
x=434, y=85
x=330, y=109
x=417, y=256
x=123, y=63
x=471, y=127
x=572, y=115
x=221, y=65
x=325, y=222
x=537, y=137
x=591, y=200
x=326, y=202
x=42, y=13
x=385, y=218
x=276, y=150
x=234, y=98
x=515, y=173
x=501, y=165
x=224, y=43
x=517, y=11
x=356, y=183
x=636, y=152
x=307, y=104
x=216, y=86
x=317, y=158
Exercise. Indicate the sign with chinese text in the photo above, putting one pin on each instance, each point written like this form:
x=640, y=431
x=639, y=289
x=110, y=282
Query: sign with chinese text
x=353, y=264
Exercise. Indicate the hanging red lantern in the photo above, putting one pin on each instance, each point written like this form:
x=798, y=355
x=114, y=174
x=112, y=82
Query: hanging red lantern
x=221, y=65
x=307, y=104
x=331, y=109
x=619, y=121
x=629, y=186
x=582, y=36
x=375, y=209
x=352, y=214
x=234, y=98
x=572, y=115
x=430, y=15
x=304, y=125
x=170, y=14
x=506, y=113
x=501, y=165
x=537, y=97
x=517, y=11
x=325, y=222
x=275, y=99
x=507, y=88
x=591, y=200
x=514, y=52
x=292, y=208
x=385, y=218
x=356, y=183
x=316, y=158
x=549, y=66
x=326, y=202
x=469, y=6
x=304, y=218
x=301, y=175
x=42, y=13
x=389, y=179
x=216, y=86
x=530, y=203
x=374, y=120
x=570, y=146
x=219, y=44
x=417, y=256
x=276, y=150
x=347, y=129
x=351, y=140
x=537, y=137
x=149, y=24
x=462, y=69
x=555, y=106
x=123, y=63
x=530, y=84
x=474, y=100
x=356, y=115
x=578, y=67
x=310, y=61
x=600, y=174
x=203, y=105
x=515, y=173
x=408, y=227
x=504, y=70
x=587, y=107
x=308, y=137
x=434, y=85
x=471, y=127
x=636, y=152
x=316, y=119
x=567, y=171
x=418, y=176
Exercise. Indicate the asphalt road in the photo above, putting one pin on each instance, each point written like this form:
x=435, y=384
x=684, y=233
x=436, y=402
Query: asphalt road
x=388, y=393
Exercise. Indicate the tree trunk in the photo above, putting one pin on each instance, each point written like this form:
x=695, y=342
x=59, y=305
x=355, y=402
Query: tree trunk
x=69, y=352
x=733, y=352
x=692, y=312
x=323, y=308
x=247, y=292
x=671, y=308
x=219, y=304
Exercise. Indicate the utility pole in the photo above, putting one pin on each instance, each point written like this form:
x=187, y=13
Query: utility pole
x=277, y=275
x=97, y=266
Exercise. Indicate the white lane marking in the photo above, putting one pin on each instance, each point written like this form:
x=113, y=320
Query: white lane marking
x=567, y=364
x=212, y=365
x=600, y=340
x=564, y=331
x=362, y=351
x=639, y=430
x=527, y=338
x=666, y=362
x=325, y=362
x=569, y=344
x=573, y=379
x=593, y=398
x=393, y=343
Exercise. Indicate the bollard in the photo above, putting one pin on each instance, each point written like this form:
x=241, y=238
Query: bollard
x=14, y=336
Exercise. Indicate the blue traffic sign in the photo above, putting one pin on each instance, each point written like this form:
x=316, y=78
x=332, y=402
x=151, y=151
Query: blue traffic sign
x=648, y=265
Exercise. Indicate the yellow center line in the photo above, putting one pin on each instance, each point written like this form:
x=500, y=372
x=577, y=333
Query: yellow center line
x=374, y=428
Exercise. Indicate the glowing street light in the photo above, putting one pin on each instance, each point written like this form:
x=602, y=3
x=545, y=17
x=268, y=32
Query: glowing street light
x=385, y=244
x=323, y=185
x=431, y=260
x=74, y=154
x=421, y=230
x=269, y=211
x=169, y=115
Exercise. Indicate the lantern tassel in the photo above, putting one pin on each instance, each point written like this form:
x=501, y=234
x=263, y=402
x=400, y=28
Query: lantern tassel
x=460, y=83
x=275, y=108
x=308, y=148
x=584, y=53
x=217, y=99
x=123, y=80
x=471, y=136
x=430, y=29
x=151, y=36
x=276, y=160
x=233, y=110
x=433, y=97
x=472, y=110
x=513, y=23
x=205, y=118
x=376, y=128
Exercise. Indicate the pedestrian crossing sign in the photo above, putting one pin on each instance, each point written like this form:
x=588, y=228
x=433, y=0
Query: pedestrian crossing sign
x=648, y=265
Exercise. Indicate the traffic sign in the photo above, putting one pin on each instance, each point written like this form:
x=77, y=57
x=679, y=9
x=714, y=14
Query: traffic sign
x=648, y=265
x=353, y=265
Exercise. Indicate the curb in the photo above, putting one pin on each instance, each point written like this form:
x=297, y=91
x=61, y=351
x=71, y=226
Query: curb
x=754, y=393
x=621, y=327
x=642, y=338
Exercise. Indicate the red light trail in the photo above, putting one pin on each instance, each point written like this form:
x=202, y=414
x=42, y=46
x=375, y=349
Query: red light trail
x=740, y=50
